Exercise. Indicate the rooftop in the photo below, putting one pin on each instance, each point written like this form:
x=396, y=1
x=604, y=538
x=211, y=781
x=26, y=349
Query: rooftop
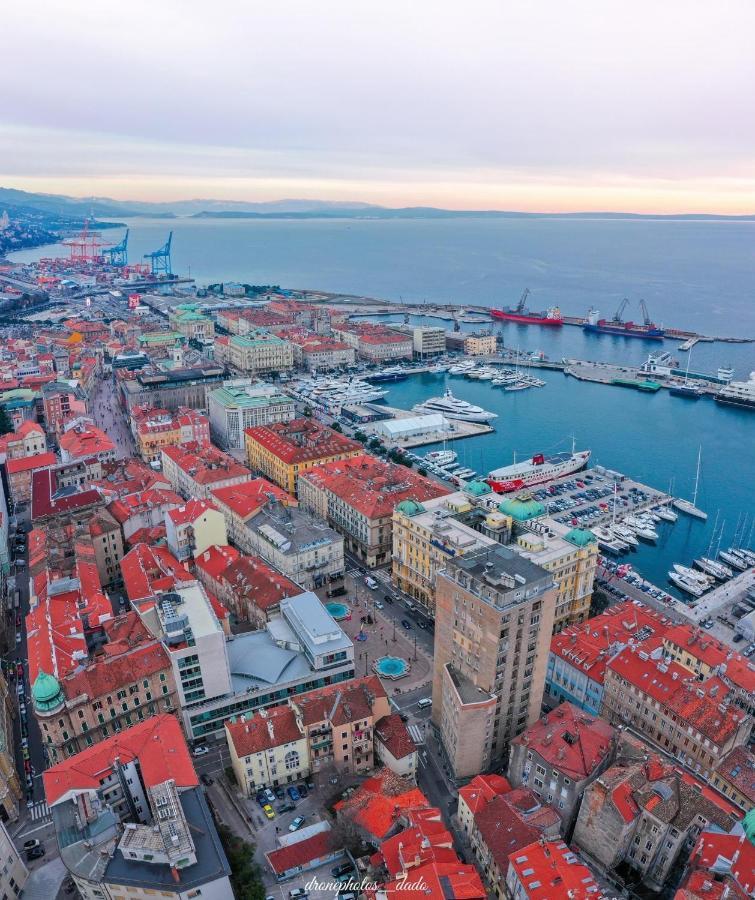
x=549, y=870
x=371, y=486
x=340, y=704
x=250, y=496
x=570, y=740
x=302, y=440
x=266, y=729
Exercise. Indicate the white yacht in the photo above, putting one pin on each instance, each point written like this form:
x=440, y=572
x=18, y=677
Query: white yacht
x=666, y=513
x=692, y=575
x=441, y=457
x=736, y=562
x=716, y=569
x=454, y=408
x=688, y=506
x=738, y=393
x=689, y=587
x=624, y=533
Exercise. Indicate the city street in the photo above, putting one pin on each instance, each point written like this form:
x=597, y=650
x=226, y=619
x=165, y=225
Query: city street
x=109, y=415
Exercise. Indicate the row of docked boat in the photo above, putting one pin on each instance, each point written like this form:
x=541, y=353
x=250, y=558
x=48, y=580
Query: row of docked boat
x=333, y=393
x=708, y=571
x=627, y=533
x=508, y=379
x=443, y=464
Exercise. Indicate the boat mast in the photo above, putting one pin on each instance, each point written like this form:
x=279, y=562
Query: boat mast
x=697, y=475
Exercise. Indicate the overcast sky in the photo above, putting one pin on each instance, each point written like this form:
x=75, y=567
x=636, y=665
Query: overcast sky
x=644, y=105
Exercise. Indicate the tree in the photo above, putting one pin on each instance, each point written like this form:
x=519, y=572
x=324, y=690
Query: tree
x=5, y=422
x=422, y=472
x=307, y=412
x=245, y=874
x=336, y=426
x=361, y=437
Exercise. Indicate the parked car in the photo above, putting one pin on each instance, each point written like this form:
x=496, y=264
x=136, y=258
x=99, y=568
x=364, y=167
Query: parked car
x=302, y=789
x=294, y=794
x=36, y=853
x=406, y=624
x=200, y=751
x=297, y=894
x=296, y=824
x=379, y=605
x=279, y=793
x=31, y=844
x=342, y=869
x=268, y=811
x=285, y=808
x=310, y=784
x=205, y=778
x=270, y=796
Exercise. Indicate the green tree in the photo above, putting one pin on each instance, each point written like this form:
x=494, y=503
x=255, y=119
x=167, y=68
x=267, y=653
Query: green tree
x=361, y=437
x=5, y=422
x=422, y=472
x=246, y=880
x=336, y=426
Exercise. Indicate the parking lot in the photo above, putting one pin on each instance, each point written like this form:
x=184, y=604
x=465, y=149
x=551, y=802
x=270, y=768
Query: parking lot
x=588, y=498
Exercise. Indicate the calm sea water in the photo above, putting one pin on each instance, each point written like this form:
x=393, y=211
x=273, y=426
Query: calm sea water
x=696, y=275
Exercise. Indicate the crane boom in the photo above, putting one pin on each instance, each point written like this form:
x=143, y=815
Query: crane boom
x=522, y=300
x=645, y=313
x=620, y=311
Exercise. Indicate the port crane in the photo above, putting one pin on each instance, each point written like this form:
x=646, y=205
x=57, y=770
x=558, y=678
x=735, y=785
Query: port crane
x=617, y=320
x=646, y=315
x=522, y=300
x=85, y=246
x=118, y=255
x=160, y=259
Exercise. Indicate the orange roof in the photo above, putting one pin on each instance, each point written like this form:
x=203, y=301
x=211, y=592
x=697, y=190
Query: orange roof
x=549, y=870
x=379, y=801
x=302, y=440
x=251, y=578
x=300, y=853
x=590, y=645
x=205, y=465
x=738, y=768
x=570, y=740
x=371, y=486
x=216, y=559
x=249, y=497
x=340, y=703
x=392, y=732
x=89, y=441
x=268, y=728
x=147, y=570
x=190, y=511
x=481, y=790
x=703, y=646
x=157, y=744
x=698, y=703
x=29, y=463
x=438, y=881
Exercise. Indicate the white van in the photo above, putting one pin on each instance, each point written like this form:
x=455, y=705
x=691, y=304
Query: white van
x=371, y=583
x=424, y=703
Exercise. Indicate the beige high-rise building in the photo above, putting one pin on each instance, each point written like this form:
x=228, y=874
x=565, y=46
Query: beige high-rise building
x=493, y=622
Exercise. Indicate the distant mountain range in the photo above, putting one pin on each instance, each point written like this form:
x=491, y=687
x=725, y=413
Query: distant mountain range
x=79, y=208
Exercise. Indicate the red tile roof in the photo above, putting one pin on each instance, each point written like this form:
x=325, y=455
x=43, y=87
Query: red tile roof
x=266, y=729
x=549, y=870
x=302, y=440
x=732, y=854
x=302, y=853
x=45, y=501
x=570, y=740
x=438, y=881
x=503, y=832
x=590, y=645
x=371, y=486
x=205, y=465
x=86, y=441
x=28, y=463
x=678, y=690
x=136, y=504
x=392, y=732
x=190, y=511
x=340, y=704
x=701, y=884
x=216, y=559
x=481, y=790
x=252, y=580
x=703, y=646
x=247, y=498
x=379, y=801
x=158, y=744
x=147, y=570
x=425, y=839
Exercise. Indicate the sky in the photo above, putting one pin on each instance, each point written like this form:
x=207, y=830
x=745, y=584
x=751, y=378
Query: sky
x=542, y=105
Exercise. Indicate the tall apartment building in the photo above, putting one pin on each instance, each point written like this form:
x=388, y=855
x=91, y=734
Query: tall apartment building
x=236, y=407
x=493, y=623
x=424, y=536
x=10, y=786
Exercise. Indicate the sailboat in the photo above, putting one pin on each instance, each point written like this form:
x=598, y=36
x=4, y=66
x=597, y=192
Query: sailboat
x=691, y=391
x=688, y=506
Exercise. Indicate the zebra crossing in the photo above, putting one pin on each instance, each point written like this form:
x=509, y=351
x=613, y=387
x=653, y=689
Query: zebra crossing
x=39, y=810
x=416, y=734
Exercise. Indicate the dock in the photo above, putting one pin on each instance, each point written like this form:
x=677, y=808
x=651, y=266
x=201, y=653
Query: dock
x=460, y=430
x=721, y=598
x=628, y=377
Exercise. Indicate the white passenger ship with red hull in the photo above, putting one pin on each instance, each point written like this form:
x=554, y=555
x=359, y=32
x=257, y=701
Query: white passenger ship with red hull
x=537, y=470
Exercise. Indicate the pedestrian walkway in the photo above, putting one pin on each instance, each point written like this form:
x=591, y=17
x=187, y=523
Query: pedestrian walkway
x=417, y=734
x=39, y=810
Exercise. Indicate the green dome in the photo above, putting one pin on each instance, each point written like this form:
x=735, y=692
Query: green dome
x=748, y=823
x=580, y=537
x=521, y=508
x=477, y=488
x=410, y=508
x=46, y=692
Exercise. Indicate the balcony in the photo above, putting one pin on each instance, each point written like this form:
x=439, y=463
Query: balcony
x=321, y=742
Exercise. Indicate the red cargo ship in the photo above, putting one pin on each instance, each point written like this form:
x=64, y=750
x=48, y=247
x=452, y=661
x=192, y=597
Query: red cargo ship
x=523, y=316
